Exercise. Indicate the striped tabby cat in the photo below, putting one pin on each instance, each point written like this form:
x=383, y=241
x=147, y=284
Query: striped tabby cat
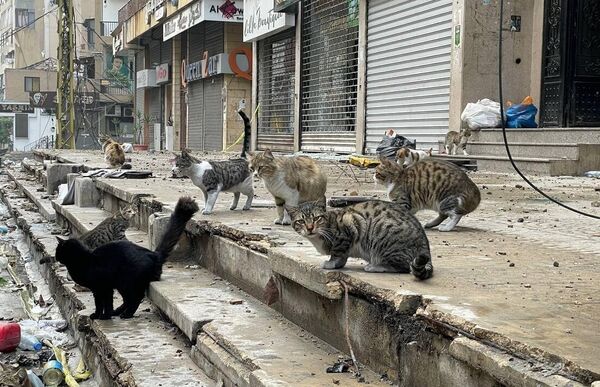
x=384, y=234
x=110, y=229
x=291, y=180
x=433, y=185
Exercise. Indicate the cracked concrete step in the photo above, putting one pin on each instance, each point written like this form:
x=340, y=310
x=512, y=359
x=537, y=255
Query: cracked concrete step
x=84, y=219
x=30, y=189
x=35, y=168
x=261, y=348
x=143, y=351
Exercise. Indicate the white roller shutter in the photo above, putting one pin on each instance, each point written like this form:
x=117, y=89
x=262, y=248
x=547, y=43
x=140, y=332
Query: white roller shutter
x=408, y=69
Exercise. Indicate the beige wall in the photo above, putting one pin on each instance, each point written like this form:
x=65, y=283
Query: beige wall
x=15, y=83
x=236, y=88
x=475, y=62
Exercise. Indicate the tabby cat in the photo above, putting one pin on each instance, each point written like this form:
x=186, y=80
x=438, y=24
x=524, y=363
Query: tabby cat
x=122, y=265
x=291, y=180
x=382, y=233
x=114, y=155
x=110, y=229
x=433, y=185
x=457, y=140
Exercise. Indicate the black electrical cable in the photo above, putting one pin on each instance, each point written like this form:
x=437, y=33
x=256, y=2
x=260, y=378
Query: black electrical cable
x=504, y=126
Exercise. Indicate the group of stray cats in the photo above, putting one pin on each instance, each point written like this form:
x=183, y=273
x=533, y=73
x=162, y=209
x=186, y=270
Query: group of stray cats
x=386, y=234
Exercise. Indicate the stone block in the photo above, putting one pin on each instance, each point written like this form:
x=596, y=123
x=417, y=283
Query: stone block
x=157, y=224
x=57, y=175
x=86, y=193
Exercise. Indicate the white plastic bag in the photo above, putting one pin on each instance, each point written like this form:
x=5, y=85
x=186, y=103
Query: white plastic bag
x=127, y=147
x=484, y=113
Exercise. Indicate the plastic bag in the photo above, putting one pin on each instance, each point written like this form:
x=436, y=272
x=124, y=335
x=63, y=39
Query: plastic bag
x=389, y=145
x=127, y=147
x=484, y=113
x=521, y=116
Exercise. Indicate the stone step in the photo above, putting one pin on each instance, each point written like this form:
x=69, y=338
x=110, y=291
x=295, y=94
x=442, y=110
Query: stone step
x=528, y=165
x=143, y=351
x=268, y=349
x=555, y=151
x=36, y=169
x=30, y=187
x=540, y=135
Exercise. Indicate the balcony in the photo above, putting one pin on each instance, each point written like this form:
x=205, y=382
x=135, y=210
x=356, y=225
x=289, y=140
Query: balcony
x=107, y=27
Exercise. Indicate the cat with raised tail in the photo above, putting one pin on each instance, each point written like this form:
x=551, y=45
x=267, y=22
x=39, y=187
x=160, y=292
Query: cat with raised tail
x=122, y=265
x=382, y=233
x=291, y=180
x=433, y=185
x=214, y=177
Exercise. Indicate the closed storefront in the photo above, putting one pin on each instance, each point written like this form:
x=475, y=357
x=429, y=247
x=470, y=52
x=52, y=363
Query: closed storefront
x=329, y=75
x=408, y=70
x=276, y=68
x=205, y=107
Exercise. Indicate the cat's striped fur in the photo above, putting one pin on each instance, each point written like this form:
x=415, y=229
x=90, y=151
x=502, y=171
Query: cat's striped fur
x=433, y=185
x=109, y=230
x=382, y=233
x=291, y=180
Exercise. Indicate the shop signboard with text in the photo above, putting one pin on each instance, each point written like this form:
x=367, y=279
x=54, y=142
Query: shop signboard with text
x=238, y=62
x=260, y=20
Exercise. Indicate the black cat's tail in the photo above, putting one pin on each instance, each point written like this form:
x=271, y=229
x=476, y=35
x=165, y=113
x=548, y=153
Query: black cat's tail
x=184, y=210
x=247, y=133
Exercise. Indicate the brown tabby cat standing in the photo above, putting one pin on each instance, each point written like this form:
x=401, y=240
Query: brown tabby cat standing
x=291, y=180
x=114, y=155
x=455, y=140
x=433, y=185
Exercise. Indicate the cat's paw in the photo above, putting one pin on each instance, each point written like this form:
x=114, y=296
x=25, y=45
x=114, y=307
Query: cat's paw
x=445, y=228
x=206, y=212
x=286, y=222
x=277, y=221
x=105, y=317
x=126, y=315
x=246, y=208
x=232, y=208
x=94, y=316
x=329, y=265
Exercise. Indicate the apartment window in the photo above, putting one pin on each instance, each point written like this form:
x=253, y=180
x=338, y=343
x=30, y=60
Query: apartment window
x=24, y=17
x=32, y=84
x=21, y=125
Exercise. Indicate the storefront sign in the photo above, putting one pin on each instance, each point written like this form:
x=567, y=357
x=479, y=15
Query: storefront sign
x=261, y=21
x=47, y=99
x=16, y=108
x=145, y=78
x=238, y=62
x=204, y=10
x=285, y=5
x=156, y=8
x=162, y=73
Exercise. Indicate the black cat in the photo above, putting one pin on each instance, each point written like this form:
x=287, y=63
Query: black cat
x=122, y=265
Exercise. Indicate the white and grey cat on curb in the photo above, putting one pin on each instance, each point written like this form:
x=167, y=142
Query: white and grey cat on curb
x=456, y=140
x=214, y=177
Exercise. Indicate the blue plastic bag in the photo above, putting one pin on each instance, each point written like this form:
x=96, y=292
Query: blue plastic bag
x=521, y=116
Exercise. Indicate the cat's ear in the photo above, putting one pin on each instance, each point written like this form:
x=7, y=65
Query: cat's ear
x=60, y=240
x=251, y=154
x=268, y=154
x=293, y=211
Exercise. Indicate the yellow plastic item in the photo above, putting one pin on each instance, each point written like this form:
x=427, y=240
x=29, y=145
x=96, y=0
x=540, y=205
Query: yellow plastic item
x=527, y=101
x=364, y=162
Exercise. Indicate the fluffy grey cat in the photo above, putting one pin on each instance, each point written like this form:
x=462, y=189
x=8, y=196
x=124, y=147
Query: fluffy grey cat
x=212, y=177
x=382, y=233
x=109, y=230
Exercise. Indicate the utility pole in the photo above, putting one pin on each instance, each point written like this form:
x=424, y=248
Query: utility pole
x=65, y=109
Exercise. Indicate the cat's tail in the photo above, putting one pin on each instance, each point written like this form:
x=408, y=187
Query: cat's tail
x=421, y=266
x=247, y=133
x=184, y=210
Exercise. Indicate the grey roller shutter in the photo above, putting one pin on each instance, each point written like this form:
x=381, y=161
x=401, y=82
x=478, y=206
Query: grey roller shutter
x=408, y=70
x=213, y=113
x=139, y=93
x=276, y=69
x=153, y=94
x=329, y=75
x=196, y=115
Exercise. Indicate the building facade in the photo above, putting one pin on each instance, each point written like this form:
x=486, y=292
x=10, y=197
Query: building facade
x=193, y=72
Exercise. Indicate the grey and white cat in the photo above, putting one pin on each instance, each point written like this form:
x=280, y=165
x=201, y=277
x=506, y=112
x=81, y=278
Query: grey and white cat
x=214, y=177
x=384, y=234
x=456, y=140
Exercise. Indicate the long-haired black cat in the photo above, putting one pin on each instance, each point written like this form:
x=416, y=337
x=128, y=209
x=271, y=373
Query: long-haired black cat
x=122, y=265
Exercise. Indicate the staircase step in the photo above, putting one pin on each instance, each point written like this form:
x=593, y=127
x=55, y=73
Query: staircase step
x=540, y=135
x=267, y=349
x=533, y=165
x=526, y=149
x=30, y=189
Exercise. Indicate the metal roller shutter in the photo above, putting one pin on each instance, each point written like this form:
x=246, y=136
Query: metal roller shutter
x=276, y=68
x=196, y=115
x=408, y=70
x=329, y=75
x=139, y=93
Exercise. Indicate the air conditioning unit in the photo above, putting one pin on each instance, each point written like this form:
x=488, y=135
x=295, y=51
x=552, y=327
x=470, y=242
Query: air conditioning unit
x=127, y=112
x=112, y=111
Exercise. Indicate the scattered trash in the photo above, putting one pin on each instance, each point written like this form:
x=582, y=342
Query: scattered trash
x=236, y=302
x=484, y=113
x=12, y=376
x=527, y=286
x=29, y=342
x=340, y=366
x=363, y=162
x=512, y=264
x=53, y=374
x=555, y=263
x=3, y=229
x=595, y=174
x=51, y=330
x=34, y=379
x=391, y=143
x=10, y=336
x=343, y=201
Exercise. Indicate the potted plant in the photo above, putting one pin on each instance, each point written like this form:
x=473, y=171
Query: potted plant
x=138, y=135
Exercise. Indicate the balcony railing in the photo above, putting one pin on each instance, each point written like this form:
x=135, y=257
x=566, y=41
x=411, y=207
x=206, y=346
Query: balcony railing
x=107, y=27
